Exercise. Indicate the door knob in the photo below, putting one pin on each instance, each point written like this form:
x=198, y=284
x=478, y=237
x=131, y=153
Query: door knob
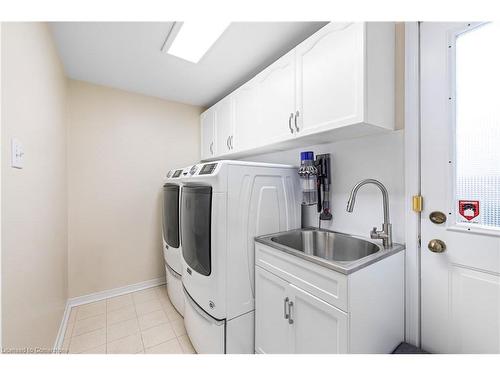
x=436, y=246
x=437, y=217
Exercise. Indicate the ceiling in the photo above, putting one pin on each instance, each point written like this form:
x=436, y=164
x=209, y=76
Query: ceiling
x=127, y=56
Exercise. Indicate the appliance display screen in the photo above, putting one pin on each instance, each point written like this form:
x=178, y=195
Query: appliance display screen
x=208, y=168
x=177, y=173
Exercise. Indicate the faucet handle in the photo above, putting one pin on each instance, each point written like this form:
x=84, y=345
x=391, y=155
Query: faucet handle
x=374, y=233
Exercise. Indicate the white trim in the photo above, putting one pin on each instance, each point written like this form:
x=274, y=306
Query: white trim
x=1, y=321
x=412, y=182
x=474, y=229
x=62, y=329
x=99, y=296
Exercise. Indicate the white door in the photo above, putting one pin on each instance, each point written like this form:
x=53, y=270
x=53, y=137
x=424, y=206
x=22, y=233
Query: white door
x=224, y=125
x=271, y=325
x=276, y=99
x=317, y=327
x=248, y=132
x=207, y=119
x=460, y=178
x=330, y=77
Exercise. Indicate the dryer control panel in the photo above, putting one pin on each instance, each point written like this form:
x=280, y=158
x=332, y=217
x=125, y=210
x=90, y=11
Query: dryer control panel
x=208, y=169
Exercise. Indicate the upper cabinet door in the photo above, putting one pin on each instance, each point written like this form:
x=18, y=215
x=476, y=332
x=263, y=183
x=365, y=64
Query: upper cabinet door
x=330, y=75
x=318, y=327
x=248, y=131
x=207, y=120
x=276, y=99
x=224, y=124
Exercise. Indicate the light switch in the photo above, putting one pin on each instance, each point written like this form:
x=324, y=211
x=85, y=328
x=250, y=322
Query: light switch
x=17, y=156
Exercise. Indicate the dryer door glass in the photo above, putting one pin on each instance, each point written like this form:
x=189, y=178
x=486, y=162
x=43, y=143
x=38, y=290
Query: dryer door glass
x=171, y=214
x=196, y=216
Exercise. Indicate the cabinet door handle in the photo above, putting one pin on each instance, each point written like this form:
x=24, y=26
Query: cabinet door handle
x=231, y=141
x=285, y=303
x=290, y=305
x=295, y=120
x=290, y=122
x=227, y=143
x=212, y=148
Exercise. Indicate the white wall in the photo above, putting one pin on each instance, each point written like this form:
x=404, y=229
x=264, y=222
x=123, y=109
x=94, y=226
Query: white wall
x=120, y=146
x=380, y=157
x=34, y=209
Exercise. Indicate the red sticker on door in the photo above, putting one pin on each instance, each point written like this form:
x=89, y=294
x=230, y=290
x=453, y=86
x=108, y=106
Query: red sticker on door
x=469, y=210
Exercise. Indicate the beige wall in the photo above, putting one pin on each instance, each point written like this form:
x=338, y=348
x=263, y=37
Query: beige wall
x=34, y=209
x=120, y=146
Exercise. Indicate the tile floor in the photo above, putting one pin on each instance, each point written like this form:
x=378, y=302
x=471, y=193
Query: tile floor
x=139, y=322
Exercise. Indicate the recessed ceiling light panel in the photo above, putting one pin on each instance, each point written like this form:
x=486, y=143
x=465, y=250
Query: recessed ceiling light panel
x=193, y=39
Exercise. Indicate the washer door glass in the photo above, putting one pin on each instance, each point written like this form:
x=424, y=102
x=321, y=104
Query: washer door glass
x=171, y=214
x=196, y=215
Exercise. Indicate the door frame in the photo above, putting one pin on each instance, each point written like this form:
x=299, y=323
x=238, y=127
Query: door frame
x=412, y=182
x=1, y=166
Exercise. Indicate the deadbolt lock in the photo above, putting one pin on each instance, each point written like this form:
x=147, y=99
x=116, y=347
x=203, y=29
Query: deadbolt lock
x=436, y=246
x=437, y=217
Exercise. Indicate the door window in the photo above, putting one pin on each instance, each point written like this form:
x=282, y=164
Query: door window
x=477, y=123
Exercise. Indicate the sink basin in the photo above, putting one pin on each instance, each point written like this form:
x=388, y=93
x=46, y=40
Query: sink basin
x=338, y=251
x=327, y=245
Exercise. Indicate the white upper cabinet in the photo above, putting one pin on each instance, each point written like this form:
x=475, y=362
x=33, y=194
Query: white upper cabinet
x=248, y=133
x=330, y=78
x=224, y=125
x=345, y=76
x=207, y=123
x=337, y=84
x=276, y=99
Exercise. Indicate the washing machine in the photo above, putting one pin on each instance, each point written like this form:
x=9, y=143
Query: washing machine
x=224, y=205
x=172, y=248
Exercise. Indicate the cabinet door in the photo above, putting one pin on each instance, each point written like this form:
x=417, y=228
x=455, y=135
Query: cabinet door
x=246, y=120
x=207, y=120
x=276, y=99
x=224, y=125
x=271, y=327
x=330, y=78
x=318, y=327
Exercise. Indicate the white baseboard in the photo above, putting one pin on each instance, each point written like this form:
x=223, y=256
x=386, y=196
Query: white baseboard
x=99, y=296
x=62, y=329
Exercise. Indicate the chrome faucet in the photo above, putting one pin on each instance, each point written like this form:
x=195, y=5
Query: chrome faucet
x=386, y=233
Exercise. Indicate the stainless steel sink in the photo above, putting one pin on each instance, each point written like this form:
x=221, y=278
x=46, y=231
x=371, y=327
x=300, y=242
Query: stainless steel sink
x=327, y=245
x=339, y=251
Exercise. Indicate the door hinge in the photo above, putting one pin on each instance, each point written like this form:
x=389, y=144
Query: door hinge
x=417, y=203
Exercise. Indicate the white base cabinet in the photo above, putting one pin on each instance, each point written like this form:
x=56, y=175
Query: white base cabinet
x=301, y=307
